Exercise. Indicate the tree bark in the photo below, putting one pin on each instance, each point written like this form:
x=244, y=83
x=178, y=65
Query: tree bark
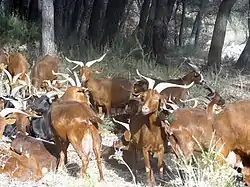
x=244, y=59
x=75, y=17
x=199, y=19
x=182, y=23
x=144, y=14
x=214, y=55
x=59, y=12
x=112, y=20
x=96, y=22
x=48, y=41
x=125, y=16
x=160, y=30
x=176, y=24
x=34, y=13
x=148, y=37
x=85, y=19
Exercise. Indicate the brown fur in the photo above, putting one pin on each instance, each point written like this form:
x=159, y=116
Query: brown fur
x=188, y=122
x=232, y=126
x=75, y=93
x=76, y=123
x=43, y=71
x=29, y=158
x=109, y=93
x=20, y=167
x=146, y=133
x=18, y=64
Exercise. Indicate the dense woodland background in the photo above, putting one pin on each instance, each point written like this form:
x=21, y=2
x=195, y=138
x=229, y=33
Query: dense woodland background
x=156, y=29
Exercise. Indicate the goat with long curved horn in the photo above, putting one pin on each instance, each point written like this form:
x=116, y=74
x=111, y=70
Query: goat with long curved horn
x=66, y=76
x=7, y=111
x=90, y=63
x=189, y=62
x=16, y=89
x=151, y=82
x=78, y=82
x=126, y=125
x=14, y=79
x=79, y=63
x=163, y=85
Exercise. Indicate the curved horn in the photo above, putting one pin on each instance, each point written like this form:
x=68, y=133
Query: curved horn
x=17, y=104
x=90, y=63
x=78, y=83
x=193, y=99
x=51, y=94
x=151, y=82
x=126, y=125
x=50, y=85
x=163, y=85
x=79, y=63
x=196, y=68
x=7, y=111
x=209, y=88
x=7, y=86
x=16, y=89
x=8, y=74
x=16, y=77
x=29, y=82
x=66, y=76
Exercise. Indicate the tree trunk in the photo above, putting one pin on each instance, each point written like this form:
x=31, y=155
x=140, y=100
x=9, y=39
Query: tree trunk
x=125, y=16
x=199, y=19
x=75, y=17
x=96, y=22
x=176, y=24
x=34, y=14
x=182, y=23
x=59, y=12
x=148, y=37
x=85, y=19
x=6, y=6
x=160, y=30
x=143, y=19
x=214, y=55
x=112, y=20
x=48, y=41
x=244, y=59
x=170, y=8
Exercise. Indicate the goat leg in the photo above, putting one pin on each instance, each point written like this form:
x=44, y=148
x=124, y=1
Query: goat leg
x=96, y=149
x=160, y=162
x=149, y=171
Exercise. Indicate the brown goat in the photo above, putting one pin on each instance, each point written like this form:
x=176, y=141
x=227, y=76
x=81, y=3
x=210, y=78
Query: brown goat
x=145, y=132
x=29, y=158
x=174, y=93
x=43, y=71
x=18, y=64
x=232, y=126
x=75, y=93
x=108, y=92
x=76, y=123
x=20, y=167
x=188, y=125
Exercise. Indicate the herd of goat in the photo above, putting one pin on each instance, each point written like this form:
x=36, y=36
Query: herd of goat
x=43, y=114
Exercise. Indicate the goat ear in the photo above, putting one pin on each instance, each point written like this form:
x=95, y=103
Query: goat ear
x=10, y=121
x=127, y=136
